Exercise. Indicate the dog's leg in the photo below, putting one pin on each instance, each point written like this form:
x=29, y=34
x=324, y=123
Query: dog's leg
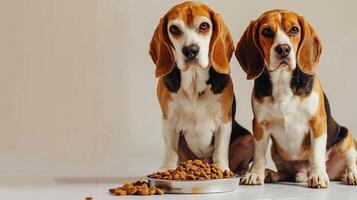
x=171, y=140
x=341, y=164
x=274, y=177
x=282, y=166
x=301, y=176
x=184, y=152
x=221, y=145
x=256, y=174
x=241, y=154
x=350, y=176
x=318, y=175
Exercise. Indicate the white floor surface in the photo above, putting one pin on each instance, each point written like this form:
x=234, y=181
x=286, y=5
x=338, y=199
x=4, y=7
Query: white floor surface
x=79, y=188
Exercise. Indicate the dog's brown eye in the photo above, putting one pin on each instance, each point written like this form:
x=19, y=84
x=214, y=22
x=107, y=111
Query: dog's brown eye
x=267, y=32
x=294, y=30
x=204, y=26
x=174, y=30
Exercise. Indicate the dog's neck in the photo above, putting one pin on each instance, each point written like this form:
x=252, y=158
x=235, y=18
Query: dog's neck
x=193, y=81
x=283, y=84
x=281, y=90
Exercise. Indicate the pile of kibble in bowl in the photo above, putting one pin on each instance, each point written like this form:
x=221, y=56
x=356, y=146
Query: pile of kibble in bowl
x=193, y=170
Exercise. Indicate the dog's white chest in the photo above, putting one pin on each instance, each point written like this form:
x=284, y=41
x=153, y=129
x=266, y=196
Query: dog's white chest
x=287, y=117
x=288, y=126
x=195, y=112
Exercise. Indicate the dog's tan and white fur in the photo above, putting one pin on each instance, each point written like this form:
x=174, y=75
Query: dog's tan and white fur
x=191, y=48
x=280, y=51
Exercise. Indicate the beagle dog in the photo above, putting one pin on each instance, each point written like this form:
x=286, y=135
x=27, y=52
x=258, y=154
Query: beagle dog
x=191, y=48
x=280, y=51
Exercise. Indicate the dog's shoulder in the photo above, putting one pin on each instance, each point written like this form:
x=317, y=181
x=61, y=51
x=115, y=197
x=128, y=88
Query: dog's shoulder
x=172, y=80
x=217, y=81
x=301, y=83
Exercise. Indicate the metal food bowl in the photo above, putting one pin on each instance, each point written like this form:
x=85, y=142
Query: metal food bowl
x=195, y=186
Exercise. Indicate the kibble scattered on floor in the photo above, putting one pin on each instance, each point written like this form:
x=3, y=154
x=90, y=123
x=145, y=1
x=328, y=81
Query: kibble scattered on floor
x=136, y=188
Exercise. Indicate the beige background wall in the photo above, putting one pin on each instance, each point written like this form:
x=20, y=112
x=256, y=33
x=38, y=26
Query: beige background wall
x=77, y=89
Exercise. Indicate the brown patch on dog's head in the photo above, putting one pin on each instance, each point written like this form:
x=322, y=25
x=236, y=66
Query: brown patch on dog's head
x=222, y=47
x=310, y=48
x=248, y=52
x=160, y=50
x=221, y=44
x=255, y=46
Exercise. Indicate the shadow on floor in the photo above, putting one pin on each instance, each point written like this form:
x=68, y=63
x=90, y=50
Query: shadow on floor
x=63, y=180
x=90, y=180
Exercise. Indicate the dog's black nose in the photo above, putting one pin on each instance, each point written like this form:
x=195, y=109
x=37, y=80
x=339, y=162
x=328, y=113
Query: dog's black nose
x=191, y=51
x=282, y=50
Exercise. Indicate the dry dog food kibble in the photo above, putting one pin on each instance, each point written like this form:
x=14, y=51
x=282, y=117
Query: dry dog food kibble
x=194, y=170
x=137, y=188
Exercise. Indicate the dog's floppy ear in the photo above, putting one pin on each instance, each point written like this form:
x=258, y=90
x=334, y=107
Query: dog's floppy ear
x=221, y=46
x=160, y=50
x=309, y=49
x=248, y=52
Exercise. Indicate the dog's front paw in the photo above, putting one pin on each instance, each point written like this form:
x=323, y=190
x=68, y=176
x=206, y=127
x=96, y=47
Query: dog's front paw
x=241, y=172
x=222, y=166
x=350, y=178
x=319, y=179
x=271, y=176
x=252, y=178
x=301, y=177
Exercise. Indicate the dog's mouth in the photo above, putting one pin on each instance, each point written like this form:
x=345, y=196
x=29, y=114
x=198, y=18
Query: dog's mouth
x=282, y=64
x=191, y=61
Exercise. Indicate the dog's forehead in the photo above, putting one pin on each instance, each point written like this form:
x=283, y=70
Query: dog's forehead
x=188, y=12
x=278, y=17
x=289, y=18
x=270, y=17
